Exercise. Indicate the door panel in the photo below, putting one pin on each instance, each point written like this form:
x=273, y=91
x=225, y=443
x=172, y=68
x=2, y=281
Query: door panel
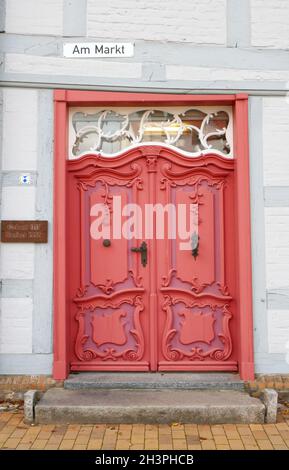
x=196, y=308
x=109, y=298
x=105, y=273
x=202, y=270
x=177, y=312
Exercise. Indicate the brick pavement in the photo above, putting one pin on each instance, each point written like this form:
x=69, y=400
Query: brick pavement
x=14, y=434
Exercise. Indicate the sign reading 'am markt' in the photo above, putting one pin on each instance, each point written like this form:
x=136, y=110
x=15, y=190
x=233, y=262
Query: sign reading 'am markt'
x=98, y=49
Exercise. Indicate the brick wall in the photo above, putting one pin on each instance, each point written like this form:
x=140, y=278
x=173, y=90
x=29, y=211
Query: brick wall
x=165, y=20
x=34, y=17
x=275, y=137
x=270, y=23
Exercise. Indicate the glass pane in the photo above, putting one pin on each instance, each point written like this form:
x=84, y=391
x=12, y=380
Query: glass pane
x=110, y=131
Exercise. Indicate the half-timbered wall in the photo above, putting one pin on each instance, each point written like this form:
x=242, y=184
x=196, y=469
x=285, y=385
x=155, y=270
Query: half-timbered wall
x=215, y=46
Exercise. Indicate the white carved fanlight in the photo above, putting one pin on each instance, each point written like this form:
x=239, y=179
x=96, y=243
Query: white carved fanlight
x=193, y=131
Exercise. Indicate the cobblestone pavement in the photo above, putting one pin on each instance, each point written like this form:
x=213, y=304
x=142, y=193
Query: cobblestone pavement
x=14, y=434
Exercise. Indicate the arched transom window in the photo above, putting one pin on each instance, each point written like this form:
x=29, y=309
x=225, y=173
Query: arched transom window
x=194, y=130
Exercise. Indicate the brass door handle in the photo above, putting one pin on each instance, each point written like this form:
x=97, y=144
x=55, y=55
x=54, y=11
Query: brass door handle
x=143, y=250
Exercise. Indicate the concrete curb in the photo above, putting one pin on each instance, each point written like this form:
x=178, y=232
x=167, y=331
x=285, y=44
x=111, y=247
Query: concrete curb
x=30, y=399
x=270, y=400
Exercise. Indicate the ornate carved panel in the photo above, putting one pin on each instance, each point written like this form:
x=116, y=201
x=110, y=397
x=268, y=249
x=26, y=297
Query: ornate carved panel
x=196, y=326
x=105, y=272
x=201, y=269
x=204, y=194
x=203, y=334
x=110, y=328
x=104, y=192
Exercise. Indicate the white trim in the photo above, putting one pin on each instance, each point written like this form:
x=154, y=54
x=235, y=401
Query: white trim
x=142, y=144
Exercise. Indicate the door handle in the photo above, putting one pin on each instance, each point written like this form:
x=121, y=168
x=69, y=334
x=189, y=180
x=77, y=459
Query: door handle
x=195, y=244
x=143, y=250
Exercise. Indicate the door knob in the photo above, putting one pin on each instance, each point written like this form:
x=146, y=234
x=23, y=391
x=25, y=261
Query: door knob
x=143, y=250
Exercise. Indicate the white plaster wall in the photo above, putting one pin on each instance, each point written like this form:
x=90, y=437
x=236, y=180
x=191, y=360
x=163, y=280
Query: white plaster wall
x=16, y=326
x=19, y=146
x=275, y=141
x=26, y=269
x=277, y=273
x=276, y=177
x=277, y=247
x=270, y=23
x=34, y=16
x=58, y=66
x=178, y=72
x=17, y=261
x=19, y=152
x=278, y=329
x=163, y=20
x=18, y=203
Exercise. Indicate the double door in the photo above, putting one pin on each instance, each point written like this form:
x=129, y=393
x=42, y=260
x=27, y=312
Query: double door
x=151, y=262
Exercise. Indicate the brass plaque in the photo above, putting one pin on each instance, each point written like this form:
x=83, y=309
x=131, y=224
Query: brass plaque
x=24, y=231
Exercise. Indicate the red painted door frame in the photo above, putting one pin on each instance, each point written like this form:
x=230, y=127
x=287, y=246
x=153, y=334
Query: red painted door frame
x=66, y=98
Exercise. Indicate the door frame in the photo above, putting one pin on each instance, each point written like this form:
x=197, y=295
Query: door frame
x=63, y=99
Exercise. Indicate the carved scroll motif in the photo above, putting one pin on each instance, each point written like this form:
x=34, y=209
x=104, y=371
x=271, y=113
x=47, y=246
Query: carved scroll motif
x=117, y=337
x=173, y=353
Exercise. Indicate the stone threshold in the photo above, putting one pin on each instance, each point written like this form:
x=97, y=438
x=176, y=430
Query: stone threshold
x=154, y=380
x=148, y=406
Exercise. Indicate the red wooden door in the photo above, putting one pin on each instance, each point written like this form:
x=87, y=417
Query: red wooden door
x=196, y=316
x=175, y=310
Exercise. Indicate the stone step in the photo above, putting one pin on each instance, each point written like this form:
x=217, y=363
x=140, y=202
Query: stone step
x=148, y=406
x=157, y=380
